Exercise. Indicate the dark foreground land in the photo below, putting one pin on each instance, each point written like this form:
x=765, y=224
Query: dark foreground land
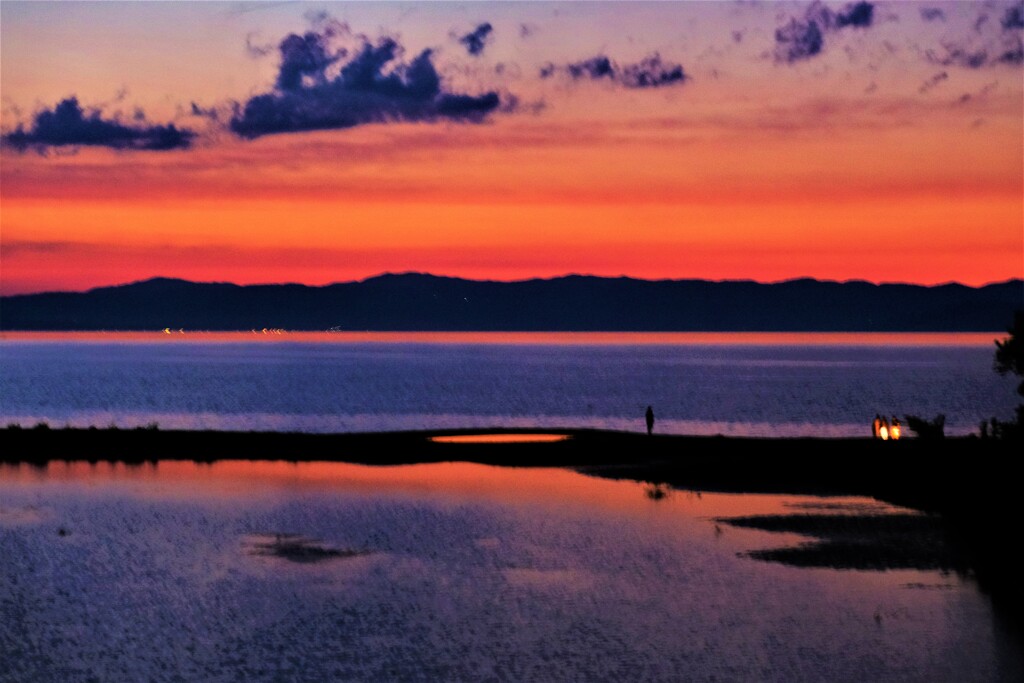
x=968, y=486
x=953, y=474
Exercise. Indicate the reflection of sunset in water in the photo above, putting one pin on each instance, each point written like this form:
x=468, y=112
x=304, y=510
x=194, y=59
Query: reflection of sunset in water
x=449, y=480
x=460, y=564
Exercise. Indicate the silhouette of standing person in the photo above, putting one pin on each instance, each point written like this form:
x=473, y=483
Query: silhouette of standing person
x=649, y=415
x=894, y=429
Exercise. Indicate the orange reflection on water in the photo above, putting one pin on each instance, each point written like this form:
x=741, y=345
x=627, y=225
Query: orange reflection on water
x=448, y=482
x=525, y=338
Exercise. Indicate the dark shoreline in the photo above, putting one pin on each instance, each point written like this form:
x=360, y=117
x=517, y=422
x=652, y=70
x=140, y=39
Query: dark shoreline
x=931, y=475
x=969, y=482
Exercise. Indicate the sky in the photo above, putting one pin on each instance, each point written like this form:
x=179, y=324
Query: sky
x=258, y=142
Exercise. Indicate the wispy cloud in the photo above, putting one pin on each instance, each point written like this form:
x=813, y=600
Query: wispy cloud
x=992, y=44
x=254, y=49
x=932, y=82
x=965, y=57
x=650, y=72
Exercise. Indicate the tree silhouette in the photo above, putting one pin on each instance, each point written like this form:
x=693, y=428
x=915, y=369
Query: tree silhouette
x=927, y=429
x=1010, y=351
x=1010, y=358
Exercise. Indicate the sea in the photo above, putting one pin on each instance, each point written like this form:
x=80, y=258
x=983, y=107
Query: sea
x=735, y=384
x=276, y=570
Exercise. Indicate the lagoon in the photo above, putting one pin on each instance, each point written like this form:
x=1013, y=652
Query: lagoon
x=450, y=571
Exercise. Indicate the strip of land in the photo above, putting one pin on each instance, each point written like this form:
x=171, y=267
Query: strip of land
x=938, y=475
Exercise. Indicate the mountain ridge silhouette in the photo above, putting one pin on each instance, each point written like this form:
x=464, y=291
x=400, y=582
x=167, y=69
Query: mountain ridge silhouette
x=414, y=301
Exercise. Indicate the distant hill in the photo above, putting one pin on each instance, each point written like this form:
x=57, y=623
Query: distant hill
x=573, y=303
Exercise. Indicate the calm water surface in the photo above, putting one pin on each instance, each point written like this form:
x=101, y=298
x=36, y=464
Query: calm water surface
x=462, y=572
x=739, y=384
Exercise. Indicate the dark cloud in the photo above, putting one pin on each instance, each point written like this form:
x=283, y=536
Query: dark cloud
x=933, y=81
x=932, y=14
x=476, y=40
x=858, y=15
x=372, y=86
x=804, y=37
x=67, y=124
x=650, y=72
x=1009, y=53
x=304, y=57
x=994, y=45
x=959, y=56
x=980, y=95
x=593, y=68
x=1013, y=19
x=798, y=40
x=1013, y=56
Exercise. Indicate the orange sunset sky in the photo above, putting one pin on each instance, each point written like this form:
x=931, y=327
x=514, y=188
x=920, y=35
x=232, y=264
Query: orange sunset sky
x=320, y=142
